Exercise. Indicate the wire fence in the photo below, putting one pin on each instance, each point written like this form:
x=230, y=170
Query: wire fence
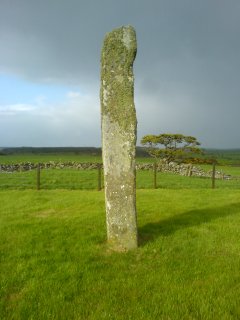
x=65, y=177
x=52, y=179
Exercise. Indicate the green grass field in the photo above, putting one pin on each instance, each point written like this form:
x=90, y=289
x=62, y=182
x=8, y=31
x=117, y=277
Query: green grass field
x=35, y=158
x=73, y=179
x=55, y=263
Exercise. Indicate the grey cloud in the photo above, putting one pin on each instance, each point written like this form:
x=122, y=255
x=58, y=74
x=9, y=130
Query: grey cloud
x=187, y=66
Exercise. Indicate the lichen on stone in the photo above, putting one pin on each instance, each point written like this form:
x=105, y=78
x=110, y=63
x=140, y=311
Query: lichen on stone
x=119, y=125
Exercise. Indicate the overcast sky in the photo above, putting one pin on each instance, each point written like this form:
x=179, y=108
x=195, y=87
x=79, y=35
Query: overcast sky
x=187, y=69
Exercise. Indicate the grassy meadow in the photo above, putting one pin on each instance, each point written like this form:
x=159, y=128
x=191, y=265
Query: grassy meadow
x=55, y=263
x=61, y=157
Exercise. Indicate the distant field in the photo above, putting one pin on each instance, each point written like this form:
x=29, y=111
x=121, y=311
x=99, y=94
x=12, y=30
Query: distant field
x=224, y=157
x=228, y=156
x=43, y=158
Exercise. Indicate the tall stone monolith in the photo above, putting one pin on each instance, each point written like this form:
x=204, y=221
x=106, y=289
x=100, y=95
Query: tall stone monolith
x=119, y=125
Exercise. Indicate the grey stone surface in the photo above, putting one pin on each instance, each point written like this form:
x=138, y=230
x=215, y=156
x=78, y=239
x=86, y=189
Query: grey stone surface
x=162, y=166
x=119, y=125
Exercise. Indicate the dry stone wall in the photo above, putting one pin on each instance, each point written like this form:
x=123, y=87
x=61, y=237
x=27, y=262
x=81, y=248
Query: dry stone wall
x=172, y=167
x=26, y=166
x=182, y=169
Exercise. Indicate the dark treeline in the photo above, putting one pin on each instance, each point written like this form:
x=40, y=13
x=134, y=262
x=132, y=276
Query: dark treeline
x=62, y=150
x=52, y=150
x=222, y=155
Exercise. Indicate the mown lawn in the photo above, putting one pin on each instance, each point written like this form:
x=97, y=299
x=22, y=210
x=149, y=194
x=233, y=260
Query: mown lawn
x=55, y=263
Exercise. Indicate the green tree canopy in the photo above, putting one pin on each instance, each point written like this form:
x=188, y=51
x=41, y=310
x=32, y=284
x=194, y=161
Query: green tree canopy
x=172, y=147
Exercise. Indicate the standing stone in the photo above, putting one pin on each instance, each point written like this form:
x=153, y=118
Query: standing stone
x=119, y=126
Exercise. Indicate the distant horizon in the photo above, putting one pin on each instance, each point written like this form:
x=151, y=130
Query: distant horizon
x=100, y=147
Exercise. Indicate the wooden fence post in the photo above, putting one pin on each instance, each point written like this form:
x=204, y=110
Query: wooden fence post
x=213, y=175
x=190, y=170
x=155, y=175
x=38, y=176
x=99, y=177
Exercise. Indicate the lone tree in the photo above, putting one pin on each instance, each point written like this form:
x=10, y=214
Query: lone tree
x=172, y=147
